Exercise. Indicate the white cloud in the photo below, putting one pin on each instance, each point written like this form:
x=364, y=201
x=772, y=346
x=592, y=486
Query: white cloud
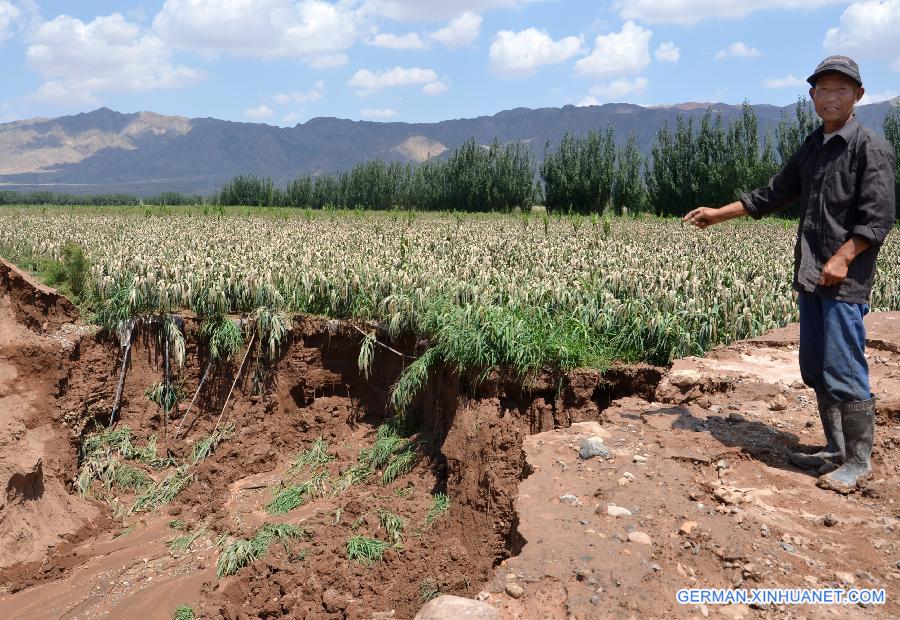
x=737, y=50
x=380, y=113
x=108, y=54
x=868, y=29
x=460, y=32
x=517, y=54
x=693, y=11
x=878, y=97
x=435, y=88
x=9, y=15
x=292, y=119
x=329, y=61
x=367, y=82
x=617, y=54
x=788, y=81
x=588, y=100
x=314, y=94
x=667, y=52
x=408, y=41
x=260, y=111
x=312, y=30
x=432, y=10
x=618, y=90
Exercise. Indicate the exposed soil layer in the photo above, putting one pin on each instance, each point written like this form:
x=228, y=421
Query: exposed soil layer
x=470, y=438
x=697, y=456
x=37, y=459
x=703, y=470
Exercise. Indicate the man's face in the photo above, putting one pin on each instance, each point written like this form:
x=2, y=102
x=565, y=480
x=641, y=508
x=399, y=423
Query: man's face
x=834, y=97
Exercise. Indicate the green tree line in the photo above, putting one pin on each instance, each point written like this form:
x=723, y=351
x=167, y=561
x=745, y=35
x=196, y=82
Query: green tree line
x=707, y=162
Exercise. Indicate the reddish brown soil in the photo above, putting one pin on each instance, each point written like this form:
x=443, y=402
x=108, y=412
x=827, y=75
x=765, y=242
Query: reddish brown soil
x=716, y=465
x=503, y=453
x=36, y=456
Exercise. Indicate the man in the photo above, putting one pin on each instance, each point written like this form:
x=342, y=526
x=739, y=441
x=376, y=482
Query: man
x=843, y=176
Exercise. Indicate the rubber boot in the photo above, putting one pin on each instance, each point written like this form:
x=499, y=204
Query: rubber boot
x=858, y=423
x=830, y=414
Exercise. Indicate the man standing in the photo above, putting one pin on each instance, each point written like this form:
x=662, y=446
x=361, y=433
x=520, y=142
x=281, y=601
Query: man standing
x=843, y=176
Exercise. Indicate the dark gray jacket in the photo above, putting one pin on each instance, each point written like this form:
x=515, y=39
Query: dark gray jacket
x=846, y=188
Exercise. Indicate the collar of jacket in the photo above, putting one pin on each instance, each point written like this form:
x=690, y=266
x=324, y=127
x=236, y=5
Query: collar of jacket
x=846, y=132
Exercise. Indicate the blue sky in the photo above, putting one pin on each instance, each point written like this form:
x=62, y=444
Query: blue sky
x=286, y=61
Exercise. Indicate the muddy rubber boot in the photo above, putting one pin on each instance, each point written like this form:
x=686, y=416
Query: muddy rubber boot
x=830, y=414
x=858, y=423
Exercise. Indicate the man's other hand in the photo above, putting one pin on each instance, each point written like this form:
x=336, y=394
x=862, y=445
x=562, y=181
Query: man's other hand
x=834, y=271
x=702, y=217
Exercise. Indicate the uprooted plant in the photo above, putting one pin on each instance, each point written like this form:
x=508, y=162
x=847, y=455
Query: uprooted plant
x=222, y=335
x=241, y=552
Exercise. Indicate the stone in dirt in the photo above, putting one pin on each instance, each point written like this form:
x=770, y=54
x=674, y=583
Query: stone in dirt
x=687, y=527
x=515, y=590
x=845, y=578
x=617, y=511
x=640, y=538
x=779, y=403
x=684, y=378
x=448, y=607
x=593, y=446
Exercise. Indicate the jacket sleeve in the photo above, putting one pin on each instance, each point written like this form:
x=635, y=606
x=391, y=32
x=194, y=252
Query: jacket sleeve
x=876, y=207
x=783, y=188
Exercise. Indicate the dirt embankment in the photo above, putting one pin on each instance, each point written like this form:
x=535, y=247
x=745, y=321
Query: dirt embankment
x=469, y=436
x=37, y=455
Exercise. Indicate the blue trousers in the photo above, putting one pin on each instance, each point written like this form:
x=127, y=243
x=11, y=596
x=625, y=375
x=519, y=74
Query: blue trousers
x=833, y=348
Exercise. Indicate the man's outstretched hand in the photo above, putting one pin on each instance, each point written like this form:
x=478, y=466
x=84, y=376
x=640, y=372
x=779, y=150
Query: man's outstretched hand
x=703, y=217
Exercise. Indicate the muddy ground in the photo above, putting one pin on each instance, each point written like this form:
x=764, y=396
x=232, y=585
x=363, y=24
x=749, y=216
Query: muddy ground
x=697, y=457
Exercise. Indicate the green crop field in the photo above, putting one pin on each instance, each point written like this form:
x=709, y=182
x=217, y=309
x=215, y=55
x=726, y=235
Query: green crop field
x=532, y=291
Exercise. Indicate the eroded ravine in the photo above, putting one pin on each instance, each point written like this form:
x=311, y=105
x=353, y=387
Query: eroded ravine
x=470, y=437
x=697, y=464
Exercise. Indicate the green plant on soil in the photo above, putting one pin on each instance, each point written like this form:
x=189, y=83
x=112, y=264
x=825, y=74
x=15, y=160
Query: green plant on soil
x=315, y=457
x=354, y=475
x=440, y=504
x=366, y=354
x=182, y=543
x=70, y=274
x=428, y=590
x=183, y=612
x=110, y=440
x=177, y=524
x=206, y=446
x=125, y=532
x=401, y=464
x=129, y=478
x=102, y=457
x=413, y=380
x=365, y=550
x=392, y=452
x=393, y=524
x=293, y=496
x=165, y=398
x=163, y=491
x=239, y=553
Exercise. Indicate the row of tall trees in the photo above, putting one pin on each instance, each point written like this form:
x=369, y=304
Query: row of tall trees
x=693, y=163
x=472, y=178
x=10, y=197
x=708, y=166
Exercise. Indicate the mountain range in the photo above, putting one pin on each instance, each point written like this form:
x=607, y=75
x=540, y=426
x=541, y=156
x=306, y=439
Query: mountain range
x=146, y=153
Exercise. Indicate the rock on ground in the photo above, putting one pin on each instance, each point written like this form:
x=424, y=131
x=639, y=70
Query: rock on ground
x=448, y=607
